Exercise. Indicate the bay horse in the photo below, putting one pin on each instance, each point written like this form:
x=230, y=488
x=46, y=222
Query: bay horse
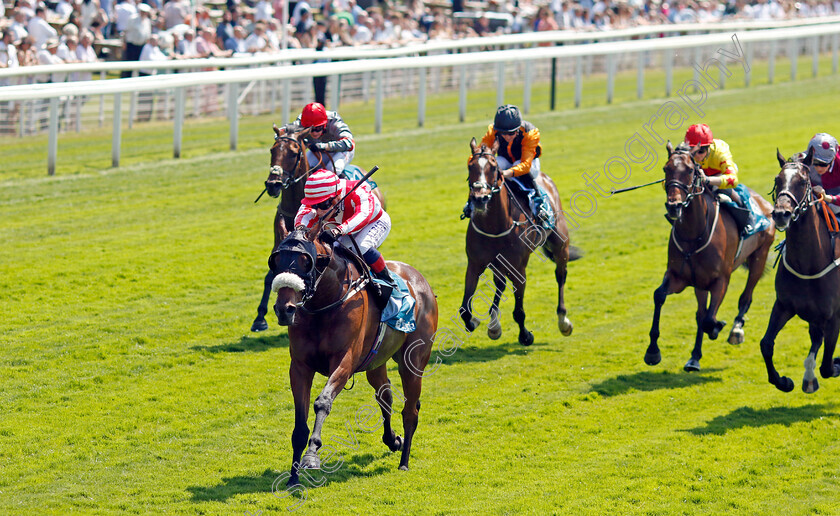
x=333, y=323
x=287, y=174
x=808, y=280
x=502, y=235
x=704, y=248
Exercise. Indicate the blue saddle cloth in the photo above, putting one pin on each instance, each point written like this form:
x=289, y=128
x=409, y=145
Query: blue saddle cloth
x=537, y=200
x=758, y=222
x=354, y=173
x=399, y=314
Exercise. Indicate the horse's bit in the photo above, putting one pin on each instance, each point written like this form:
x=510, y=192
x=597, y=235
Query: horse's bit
x=277, y=170
x=692, y=190
x=485, y=184
x=800, y=206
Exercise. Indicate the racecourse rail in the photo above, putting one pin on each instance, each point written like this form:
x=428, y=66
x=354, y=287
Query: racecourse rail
x=815, y=33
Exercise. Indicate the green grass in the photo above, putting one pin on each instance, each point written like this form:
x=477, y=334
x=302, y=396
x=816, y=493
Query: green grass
x=132, y=385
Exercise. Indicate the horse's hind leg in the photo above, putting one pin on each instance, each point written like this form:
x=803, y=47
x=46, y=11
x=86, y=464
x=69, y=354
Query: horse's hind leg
x=757, y=261
x=301, y=383
x=829, y=367
x=561, y=259
x=809, y=380
x=778, y=318
x=378, y=379
x=470, y=284
x=412, y=385
x=494, y=328
x=260, y=323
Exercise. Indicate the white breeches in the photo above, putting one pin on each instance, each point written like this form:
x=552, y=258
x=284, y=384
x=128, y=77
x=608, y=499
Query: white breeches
x=340, y=159
x=371, y=236
x=504, y=164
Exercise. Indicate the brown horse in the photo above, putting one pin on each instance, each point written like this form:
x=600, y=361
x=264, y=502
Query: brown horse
x=333, y=329
x=502, y=236
x=808, y=280
x=703, y=250
x=287, y=174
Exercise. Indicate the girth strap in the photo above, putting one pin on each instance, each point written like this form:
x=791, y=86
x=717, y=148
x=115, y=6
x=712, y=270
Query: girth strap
x=374, y=349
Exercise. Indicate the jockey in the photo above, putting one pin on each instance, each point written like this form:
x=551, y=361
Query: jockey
x=331, y=144
x=827, y=165
x=360, y=216
x=518, y=156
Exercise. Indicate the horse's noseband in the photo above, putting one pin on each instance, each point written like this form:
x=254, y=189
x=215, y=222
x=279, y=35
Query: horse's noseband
x=286, y=180
x=799, y=206
x=293, y=246
x=494, y=189
x=691, y=190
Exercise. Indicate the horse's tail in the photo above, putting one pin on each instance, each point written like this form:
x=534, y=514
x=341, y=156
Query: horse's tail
x=575, y=253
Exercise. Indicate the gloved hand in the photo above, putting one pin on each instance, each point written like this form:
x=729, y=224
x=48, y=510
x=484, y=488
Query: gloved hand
x=704, y=179
x=330, y=235
x=317, y=146
x=819, y=193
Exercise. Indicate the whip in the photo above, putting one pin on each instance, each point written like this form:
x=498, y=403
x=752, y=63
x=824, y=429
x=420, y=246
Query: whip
x=614, y=191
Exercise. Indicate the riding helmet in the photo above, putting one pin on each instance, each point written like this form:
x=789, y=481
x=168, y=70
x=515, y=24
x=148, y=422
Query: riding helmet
x=313, y=115
x=825, y=147
x=508, y=119
x=699, y=134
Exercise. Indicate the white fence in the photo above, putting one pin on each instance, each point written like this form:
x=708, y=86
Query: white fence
x=457, y=67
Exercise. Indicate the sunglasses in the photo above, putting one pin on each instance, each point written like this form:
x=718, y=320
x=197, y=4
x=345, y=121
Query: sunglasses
x=323, y=205
x=822, y=163
x=319, y=129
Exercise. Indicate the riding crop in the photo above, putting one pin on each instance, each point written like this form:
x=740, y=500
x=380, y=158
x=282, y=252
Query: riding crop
x=614, y=191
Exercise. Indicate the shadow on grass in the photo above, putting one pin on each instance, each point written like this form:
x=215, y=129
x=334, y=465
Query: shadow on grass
x=249, y=343
x=264, y=483
x=651, y=381
x=748, y=417
x=483, y=353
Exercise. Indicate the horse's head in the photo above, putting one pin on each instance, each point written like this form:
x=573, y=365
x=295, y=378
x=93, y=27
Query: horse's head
x=298, y=261
x=484, y=178
x=682, y=180
x=288, y=159
x=792, y=192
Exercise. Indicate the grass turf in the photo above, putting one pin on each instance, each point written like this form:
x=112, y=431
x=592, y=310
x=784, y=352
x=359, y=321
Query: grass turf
x=131, y=383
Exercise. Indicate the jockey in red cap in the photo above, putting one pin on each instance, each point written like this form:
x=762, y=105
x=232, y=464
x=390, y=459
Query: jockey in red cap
x=360, y=216
x=331, y=143
x=713, y=156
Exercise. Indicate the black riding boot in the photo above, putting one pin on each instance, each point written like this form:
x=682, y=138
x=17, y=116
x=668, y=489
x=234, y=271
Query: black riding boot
x=384, y=290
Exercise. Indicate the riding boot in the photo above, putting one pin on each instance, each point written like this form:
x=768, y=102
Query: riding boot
x=468, y=208
x=384, y=290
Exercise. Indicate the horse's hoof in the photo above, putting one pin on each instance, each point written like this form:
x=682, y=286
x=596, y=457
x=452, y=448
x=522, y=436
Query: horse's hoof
x=836, y=369
x=785, y=384
x=259, y=324
x=526, y=339
x=736, y=336
x=494, y=333
x=397, y=444
x=310, y=461
x=293, y=481
x=565, y=326
x=403, y=468
x=692, y=366
x=653, y=358
x=810, y=386
x=713, y=335
x=472, y=324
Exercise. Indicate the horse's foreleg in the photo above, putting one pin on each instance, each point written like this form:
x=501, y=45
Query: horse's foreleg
x=778, y=318
x=711, y=325
x=301, y=383
x=378, y=379
x=560, y=272
x=809, y=380
x=526, y=338
x=652, y=355
x=470, y=284
x=494, y=328
x=693, y=364
x=323, y=406
x=829, y=368
x=260, y=323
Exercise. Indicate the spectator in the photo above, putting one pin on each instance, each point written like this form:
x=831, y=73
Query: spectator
x=258, y=41
x=123, y=12
x=85, y=53
x=237, y=43
x=88, y=10
x=63, y=9
x=145, y=99
x=9, y=110
x=263, y=11
x=40, y=30
x=48, y=56
x=187, y=46
x=18, y=26
x=175, y=12
x=224, y=31
x=137, y=33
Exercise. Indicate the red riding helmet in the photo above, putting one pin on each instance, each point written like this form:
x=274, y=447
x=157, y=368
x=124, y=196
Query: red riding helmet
x=699, y=134
x=313, y=115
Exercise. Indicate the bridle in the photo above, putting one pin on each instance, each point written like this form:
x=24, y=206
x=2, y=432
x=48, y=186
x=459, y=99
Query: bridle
x=277, y=170
x=494, y=189
x=691, y=190
x=803, y=205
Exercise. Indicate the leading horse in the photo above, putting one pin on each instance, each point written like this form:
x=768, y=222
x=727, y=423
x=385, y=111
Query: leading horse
x=502, y=236
x=333, y=330
x=808, y=279
x=703, y=249
x=287, y=174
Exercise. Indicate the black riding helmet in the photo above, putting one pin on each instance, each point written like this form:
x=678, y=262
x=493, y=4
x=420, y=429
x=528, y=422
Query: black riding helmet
x=508, y=119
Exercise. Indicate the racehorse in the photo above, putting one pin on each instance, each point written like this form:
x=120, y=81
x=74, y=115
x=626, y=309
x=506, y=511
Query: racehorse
x=333, y=324
x=287, y=174
x=808, y=281
x=502, y=236
x=703, y=250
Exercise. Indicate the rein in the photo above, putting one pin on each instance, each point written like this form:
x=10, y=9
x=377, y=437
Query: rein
x=277, y=170
x=691, y=191
x=353, y=288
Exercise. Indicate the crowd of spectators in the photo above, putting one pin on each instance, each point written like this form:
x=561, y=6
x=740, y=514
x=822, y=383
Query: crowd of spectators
x=49, y=32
